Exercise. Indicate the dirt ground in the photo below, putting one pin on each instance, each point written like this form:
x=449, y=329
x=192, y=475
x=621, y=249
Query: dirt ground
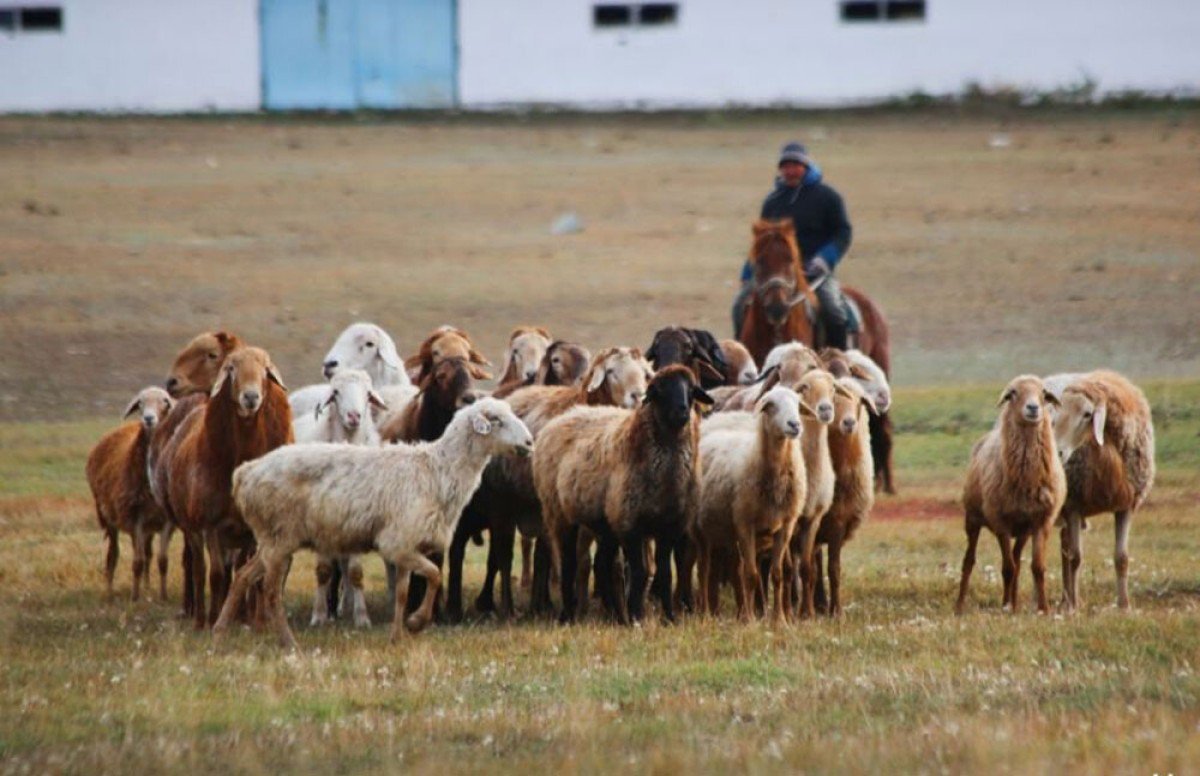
x=1030, y=242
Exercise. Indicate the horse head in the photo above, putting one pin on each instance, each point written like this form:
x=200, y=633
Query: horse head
x=779, y=283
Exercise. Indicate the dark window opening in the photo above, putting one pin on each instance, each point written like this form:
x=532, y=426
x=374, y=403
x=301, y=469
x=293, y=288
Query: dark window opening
x=658, y=13
x=8, y=19
x=906, y=10
x=41, y=19
x=863, y=11
x=612, y=15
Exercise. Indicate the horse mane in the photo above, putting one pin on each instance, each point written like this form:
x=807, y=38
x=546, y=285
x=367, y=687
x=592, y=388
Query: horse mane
x=767, y=232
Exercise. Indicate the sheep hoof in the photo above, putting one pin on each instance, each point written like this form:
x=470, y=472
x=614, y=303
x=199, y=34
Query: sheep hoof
x=416, y=622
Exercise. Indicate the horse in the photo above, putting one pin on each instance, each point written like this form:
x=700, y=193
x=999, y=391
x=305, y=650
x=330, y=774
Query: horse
x=773, y=319
x=780, y=288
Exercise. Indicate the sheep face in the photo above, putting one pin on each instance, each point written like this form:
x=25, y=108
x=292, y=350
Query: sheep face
x=444, y=344
x=793, y=360
x=352, y=394
x=1078, y=421
x=198, y=365
x=565, y=363
x=849, y=404
x=671, y=395
x=246, y=372
x=150, y=405
x=1025, y=399
x=816, y=390
x=694, y=348
x=781, y=409
x=526, y=349
x=871, y=378
x=742, y=370
x=450, y=384
x=623, y=372
x=494, y=421
x=362, y=346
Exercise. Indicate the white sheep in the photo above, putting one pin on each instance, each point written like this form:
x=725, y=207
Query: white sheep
x=753, y=486
x=362, y=346
x=402, y=500
x=344, y=416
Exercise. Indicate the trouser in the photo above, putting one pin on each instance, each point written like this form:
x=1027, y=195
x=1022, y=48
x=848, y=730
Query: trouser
x=834, y=316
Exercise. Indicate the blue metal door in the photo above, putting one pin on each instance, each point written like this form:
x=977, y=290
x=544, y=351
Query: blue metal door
x=344, y=54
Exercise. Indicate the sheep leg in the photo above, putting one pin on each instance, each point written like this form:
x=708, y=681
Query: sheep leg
x=189, y=593
x=248, y=574
x=216, y=575
x=140, y=553
x=276, y=572
x=110, y=560
x=486, y=600
x=968, y=565
x=835, y=576
x=685, y=564
x=807, y=537
x=583, y=571
x=610, y=579
x=542, y=565
x=400, y=597
x=703, y=562
x=1038, y=565
x=778, y=547
x=1018, y=548
x=393, y=577
x=633, y=546
x=432, y=572
x=164, y=543
x=504, y=539
x=345, y=602
x=334, y=587
x=664, y=548
x=733, y=567
x=195, y=546
x=747, y=569
x=320, y=608
x=820, y=599
x=1071, y=541
x=1006, y=569
x=1121, y=556
x=526, y=565
x=455, y=557
x=568, y=538
x=354, y=582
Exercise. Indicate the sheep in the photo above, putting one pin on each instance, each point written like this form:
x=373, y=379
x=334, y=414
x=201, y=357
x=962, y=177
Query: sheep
x=527, y=346
x=784, y=365
x=444, y=343
x=192, y=376
x=344, y=416
x=752, y=489
x=119, y=480
x=627, y=475
x=817, y=389
x=616, y=377
x=1016, y=487
x=565, y=363
x=363, y=346
x=402, y=500
x=854, y=483
x=1105, y=436
x=246, y=416
x=740, y=369
x=874, y=380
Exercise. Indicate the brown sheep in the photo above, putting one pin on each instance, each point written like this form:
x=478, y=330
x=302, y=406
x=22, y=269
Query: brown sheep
x=1105, y=435
x=117, y=474
x=785, y=365
x=565, y=363
x=246, y=416
x=1015, y=487
x=740, y=368
x=854, y=483
x=191, y=378
x=617, y=377
x=445, y=343
x=628, y=475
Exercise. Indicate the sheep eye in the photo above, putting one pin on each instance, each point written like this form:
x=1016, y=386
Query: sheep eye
x=370, y=344
x=212, y=356
x=1087, y=416
x=556, y=360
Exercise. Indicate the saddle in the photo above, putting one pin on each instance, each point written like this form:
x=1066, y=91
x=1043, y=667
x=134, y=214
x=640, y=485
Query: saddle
x=853, y=316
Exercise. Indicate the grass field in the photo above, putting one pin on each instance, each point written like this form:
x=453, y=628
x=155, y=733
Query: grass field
x=1075, y=244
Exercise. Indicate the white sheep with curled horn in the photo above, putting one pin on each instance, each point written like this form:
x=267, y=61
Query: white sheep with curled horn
x=364, y=346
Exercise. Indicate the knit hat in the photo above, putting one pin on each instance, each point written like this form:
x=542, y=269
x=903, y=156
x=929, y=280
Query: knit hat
x=795, y=152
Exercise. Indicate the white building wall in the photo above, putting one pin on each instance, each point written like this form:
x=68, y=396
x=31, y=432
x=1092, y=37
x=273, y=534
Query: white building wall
x=135, y=55
x=763, y=52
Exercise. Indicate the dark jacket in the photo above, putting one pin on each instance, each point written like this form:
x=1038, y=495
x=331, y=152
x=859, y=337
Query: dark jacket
x=822, y=228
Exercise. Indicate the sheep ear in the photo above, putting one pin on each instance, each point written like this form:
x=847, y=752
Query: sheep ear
x=869, y=403
x=842, y=390
x=1004, y=397
x=1050, y=398
x=481, y=425
x=220, y=384
x=477, y=358
x=273, y=376
x=478, y=372
x=652, y=351
x=710, y=372
x=701, y=396
x=225, y=338
x=597, y=380
x=543, y=332
x=807, y=410
x=376, y=401
x=387, y=351
x=133, y=407
x=1099, y=416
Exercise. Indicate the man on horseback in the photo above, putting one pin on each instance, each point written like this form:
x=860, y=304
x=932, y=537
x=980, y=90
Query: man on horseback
x=822, y=232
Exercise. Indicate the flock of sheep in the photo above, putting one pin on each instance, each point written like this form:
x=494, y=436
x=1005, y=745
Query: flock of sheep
x=686, y=456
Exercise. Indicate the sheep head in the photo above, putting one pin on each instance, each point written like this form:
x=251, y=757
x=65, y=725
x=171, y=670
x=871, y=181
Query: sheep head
x=671, y=395
x=780, y=412
x=1024, y=400
x=363, y=346
x=352, y=393
x=565, y=363
x=443, y=344
x=617, y=377
x=246, y=372
x=527, y=346
x=1080, y=419
x=198, y=365
x=494, y=421
x=151, y=405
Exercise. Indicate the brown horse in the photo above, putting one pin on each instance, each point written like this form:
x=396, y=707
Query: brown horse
x=782, y=297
